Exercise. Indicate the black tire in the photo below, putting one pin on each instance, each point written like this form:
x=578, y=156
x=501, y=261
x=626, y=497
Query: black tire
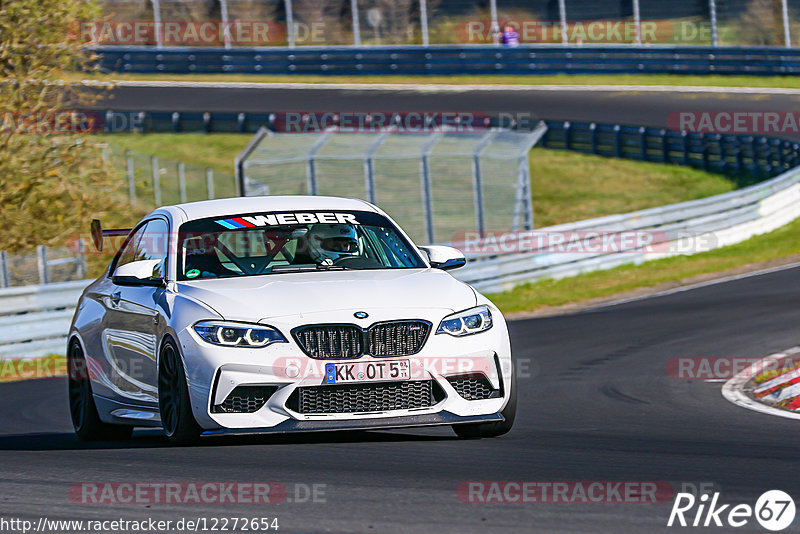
x=492, y=430
x=174, y=404
x=82, y=409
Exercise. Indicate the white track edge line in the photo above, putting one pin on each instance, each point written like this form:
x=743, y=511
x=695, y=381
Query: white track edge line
x=434, y=88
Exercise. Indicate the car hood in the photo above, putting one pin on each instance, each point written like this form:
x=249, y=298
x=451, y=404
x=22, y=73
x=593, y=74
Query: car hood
x=255, y=298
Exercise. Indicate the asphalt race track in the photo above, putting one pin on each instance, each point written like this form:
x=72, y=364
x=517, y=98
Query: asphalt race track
x=598, y=406
x=648, y=108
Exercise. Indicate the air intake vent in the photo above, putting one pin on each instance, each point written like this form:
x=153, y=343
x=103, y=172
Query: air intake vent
x=362, y=398
x=245, y=399
x=474, y=387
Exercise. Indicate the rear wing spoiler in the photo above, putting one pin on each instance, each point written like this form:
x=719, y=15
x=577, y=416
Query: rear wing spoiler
x=98, y=233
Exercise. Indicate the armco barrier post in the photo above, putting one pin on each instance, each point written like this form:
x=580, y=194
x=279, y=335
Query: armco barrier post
x=686, y=153
x=356, y=23
x=787, y=35
x=567, y=136
x=41, y=261
x=157, y=22
x=4, y=278
x=643, y=141
x=82, y=268
x=495, y=26
x=423, y=21
x=723, y=153
x=289, y=23
x=712, y=11
x=562, y=14
x=739, y=159
x=223, y=13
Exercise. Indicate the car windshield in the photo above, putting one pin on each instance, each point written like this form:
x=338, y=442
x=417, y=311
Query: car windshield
x=283, y=242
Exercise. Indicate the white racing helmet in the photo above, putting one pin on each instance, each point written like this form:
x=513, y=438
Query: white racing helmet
x=331, y=242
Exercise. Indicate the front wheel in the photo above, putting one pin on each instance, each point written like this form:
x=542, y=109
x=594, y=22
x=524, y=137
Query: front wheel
x=492, y=430
x=174, y=404
x=82, y=409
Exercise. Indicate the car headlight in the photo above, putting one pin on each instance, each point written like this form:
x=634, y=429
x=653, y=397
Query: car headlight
x=238, y=334
x=466, y=322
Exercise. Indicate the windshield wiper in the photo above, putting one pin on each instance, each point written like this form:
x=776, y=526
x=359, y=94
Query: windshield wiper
x=303, y=268
x=321, y=267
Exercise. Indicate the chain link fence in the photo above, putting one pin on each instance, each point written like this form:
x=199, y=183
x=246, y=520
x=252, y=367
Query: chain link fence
x=45, y=265
x=436, y=185
x=150, y=181
x=297, y=23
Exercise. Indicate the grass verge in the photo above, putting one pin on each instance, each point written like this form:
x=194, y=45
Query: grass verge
x=207, y=150
x=566, y=186
x=784, y=82
x=778, y=244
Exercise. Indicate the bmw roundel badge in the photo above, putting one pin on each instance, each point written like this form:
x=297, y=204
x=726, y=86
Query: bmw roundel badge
x=360, y=315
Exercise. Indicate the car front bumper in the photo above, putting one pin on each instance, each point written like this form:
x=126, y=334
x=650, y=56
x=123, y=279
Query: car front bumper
x=214, y=372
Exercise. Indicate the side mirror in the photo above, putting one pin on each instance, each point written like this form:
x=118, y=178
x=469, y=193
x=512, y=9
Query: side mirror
x=138, y=273
x=444, y=258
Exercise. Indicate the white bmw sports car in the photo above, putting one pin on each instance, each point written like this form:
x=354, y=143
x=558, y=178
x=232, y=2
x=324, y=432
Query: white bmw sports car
x=280, y=314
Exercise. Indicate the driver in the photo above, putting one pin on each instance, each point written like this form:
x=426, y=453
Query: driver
x=328, y=243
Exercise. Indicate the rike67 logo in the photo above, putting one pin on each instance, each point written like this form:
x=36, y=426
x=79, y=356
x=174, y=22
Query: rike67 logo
x=774, y=510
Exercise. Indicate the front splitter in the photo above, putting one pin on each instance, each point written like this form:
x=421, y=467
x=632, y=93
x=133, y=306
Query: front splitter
x=379, y=423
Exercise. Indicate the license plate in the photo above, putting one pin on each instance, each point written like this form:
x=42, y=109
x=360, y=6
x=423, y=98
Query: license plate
x=338, y=373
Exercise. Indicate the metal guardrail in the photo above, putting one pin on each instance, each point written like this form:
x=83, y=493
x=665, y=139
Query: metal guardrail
x=453, y=59
x=34, y=320
x=684, y=228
